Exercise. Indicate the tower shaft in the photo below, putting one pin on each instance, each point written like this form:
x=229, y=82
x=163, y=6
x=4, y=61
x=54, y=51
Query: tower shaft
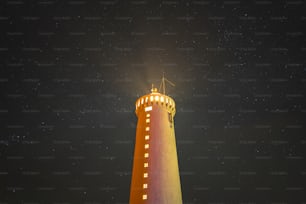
x=155, y=176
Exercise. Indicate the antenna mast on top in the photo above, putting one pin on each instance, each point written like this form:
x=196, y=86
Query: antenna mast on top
x=163, y=84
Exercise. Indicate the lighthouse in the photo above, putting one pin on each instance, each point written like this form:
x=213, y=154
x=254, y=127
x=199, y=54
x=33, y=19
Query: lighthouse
x=155, y=175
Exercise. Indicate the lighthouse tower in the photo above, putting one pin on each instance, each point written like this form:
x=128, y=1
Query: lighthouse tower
x=155, y=176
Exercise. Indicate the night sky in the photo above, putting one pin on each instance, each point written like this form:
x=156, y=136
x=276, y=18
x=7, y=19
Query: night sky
x=71, y=71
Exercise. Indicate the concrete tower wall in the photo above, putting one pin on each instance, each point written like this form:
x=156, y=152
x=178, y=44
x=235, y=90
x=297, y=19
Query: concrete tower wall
x=155, y=177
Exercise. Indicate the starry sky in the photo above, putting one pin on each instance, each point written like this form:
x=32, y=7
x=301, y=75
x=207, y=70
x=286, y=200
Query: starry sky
x=71, y=71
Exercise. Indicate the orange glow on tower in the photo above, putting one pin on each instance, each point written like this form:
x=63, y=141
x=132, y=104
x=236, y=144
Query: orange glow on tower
x=155, y=176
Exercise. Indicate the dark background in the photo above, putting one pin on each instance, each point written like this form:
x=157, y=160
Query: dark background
x=71, y=71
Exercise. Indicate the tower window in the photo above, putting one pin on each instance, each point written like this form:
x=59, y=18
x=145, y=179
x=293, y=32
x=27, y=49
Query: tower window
x=146, y=165
x=148, y=108
x=144, y=197
x=145, y=175
x=170, y=117
x=146, y=146
x=147, y=137
x=145, y=185
x=156, y=98
x=146, y=155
